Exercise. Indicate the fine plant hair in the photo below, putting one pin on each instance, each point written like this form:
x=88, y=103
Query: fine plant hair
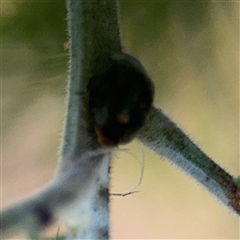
x=79, y=193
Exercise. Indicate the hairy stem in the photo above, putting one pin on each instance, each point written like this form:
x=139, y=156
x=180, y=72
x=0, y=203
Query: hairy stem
x=79, y=193
x=94, y=38
x=163, y=136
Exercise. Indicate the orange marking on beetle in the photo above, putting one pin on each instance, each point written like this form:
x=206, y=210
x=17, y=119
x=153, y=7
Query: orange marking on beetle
x=102, y=139
x=123, y=118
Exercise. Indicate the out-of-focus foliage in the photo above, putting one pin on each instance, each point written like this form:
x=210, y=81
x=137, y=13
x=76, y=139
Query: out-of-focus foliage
x=35, y=23
x=33, y=56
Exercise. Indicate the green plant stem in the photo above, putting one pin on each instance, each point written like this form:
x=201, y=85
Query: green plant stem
x=163, y=136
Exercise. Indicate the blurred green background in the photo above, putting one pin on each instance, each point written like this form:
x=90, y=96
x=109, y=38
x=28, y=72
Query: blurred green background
x=191, y=51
